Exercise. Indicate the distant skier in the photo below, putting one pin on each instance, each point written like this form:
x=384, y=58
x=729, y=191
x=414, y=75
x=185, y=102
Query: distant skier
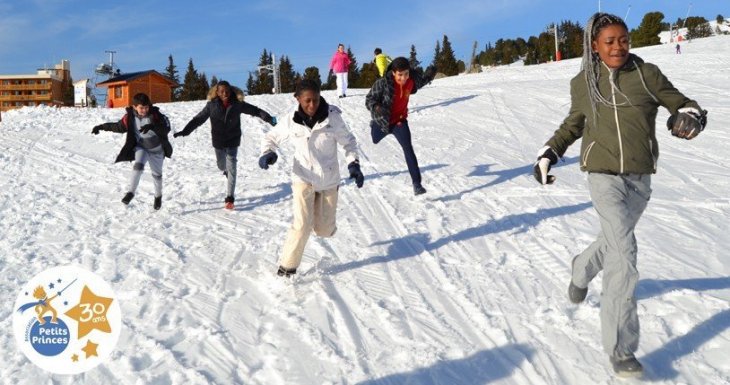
x=146, y=128
x=225, y=112
x=315, y=129
x=381, y=61
x=615, y=98
x=679, y=49
x=340, y=66
x=387, y=102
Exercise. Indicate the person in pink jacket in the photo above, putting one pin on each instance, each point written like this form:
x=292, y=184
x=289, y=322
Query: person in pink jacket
x=340, y=64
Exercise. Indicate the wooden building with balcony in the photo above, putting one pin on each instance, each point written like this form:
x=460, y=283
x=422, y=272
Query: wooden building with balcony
x=122, y=88
x=46, y=87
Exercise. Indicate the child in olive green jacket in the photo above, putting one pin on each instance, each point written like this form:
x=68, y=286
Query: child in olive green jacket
x=614, y=103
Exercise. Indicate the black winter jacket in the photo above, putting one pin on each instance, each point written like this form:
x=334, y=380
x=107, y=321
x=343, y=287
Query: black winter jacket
x=225, y=123
x=161, y=127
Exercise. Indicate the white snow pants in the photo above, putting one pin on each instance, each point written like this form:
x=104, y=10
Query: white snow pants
x=156, y=159
x=341, y=83
x=619, y=201
x=313, y=210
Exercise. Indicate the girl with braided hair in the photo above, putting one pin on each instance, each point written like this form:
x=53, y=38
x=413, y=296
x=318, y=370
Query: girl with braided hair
x=614, y=103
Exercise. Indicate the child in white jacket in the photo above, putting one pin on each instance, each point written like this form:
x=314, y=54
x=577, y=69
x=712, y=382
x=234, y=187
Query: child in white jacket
x=314, y=128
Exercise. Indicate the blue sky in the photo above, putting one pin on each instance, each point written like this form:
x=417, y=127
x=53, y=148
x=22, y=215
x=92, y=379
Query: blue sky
x=226, y=38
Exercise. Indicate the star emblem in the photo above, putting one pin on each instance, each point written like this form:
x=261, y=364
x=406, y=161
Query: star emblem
x=75, y=358
x=90, y=313
x=90, y=349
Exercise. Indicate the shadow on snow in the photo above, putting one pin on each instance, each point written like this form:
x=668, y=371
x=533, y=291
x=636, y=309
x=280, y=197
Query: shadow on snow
x=502, y=176
x=414, y=244
x=480, y=368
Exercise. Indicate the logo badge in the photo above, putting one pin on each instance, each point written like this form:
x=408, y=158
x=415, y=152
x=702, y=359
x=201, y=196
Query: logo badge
x=66, y=320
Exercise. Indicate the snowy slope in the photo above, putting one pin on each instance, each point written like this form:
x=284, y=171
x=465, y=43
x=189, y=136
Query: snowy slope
x=465, y=285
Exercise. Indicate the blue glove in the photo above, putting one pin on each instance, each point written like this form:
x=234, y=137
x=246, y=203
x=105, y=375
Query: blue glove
x=267, y=159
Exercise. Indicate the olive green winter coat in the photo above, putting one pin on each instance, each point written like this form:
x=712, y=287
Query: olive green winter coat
x=622, y=139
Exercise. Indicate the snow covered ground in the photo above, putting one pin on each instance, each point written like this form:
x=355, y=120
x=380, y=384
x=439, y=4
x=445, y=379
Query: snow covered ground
x=465, y=285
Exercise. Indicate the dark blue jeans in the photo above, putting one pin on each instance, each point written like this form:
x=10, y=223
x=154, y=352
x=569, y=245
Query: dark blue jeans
x=403, y=135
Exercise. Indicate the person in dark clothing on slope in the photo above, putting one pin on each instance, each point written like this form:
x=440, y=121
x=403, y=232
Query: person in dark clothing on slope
x=387, y=102
x=146, y=130
x=224, y=112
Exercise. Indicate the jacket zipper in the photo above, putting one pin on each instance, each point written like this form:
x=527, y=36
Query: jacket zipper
x=588, y=151
x=651, y=150
x=618, y=126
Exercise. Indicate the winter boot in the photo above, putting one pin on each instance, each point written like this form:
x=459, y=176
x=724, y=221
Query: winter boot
x=158, y=203
x=127, y=198
x=418, y=189
x=282, y=272
x=575, y=293
x=229, y=202
x=627, y=366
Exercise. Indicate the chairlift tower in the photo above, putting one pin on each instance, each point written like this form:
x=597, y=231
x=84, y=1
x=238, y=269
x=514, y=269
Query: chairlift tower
x=274, y=68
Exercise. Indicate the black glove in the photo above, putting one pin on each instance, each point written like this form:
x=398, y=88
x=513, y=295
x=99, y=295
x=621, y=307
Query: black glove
x=96, y=129
x=265, y=116
x=267, y=159
x=146, y=128
x=179, y=133
x=429, y=73
x=545, y=158
x=687, y=123
x=355, y=173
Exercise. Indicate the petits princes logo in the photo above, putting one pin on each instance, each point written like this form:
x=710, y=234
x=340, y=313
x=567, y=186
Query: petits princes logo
x=66, y=320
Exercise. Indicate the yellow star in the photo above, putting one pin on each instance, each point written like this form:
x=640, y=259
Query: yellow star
x=75, y=358
x=90, y=313
x=90, y=349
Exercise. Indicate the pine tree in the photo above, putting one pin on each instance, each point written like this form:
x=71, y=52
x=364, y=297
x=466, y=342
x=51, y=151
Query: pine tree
x=697, y=27
x=437, y=56
x=264, y=82
x=287, y=76
x=250, y=84
x=213, y=81
x=202, y=87
x=413, y=60
x=720, y=19
x=331, y=83
x=353, y=73
x=190, y=83
x=648, y=31
x=312, y=73
x=447, y=63
x=368, y=75
x=172, y=74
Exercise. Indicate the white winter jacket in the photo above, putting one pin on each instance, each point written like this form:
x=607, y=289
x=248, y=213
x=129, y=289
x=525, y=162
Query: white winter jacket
x=315, y=150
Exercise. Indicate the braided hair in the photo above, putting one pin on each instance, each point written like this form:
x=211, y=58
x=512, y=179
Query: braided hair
x=591, y=60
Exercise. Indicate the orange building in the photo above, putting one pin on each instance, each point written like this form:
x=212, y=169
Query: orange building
x=122, y=88
x=46, y=87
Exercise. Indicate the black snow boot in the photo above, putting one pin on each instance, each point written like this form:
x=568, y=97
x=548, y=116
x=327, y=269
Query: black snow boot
x=127, y=198
x=627, y=366
x=158, y=203
x=282, y=272
x=576, y=294
x=418, y=189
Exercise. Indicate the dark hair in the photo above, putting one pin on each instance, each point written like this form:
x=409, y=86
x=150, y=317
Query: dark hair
x=141, y=99
x=400, y=64
x=306, y=85
x=378, y=51
x=600, y=20
x=340, y=45
x=224, y=84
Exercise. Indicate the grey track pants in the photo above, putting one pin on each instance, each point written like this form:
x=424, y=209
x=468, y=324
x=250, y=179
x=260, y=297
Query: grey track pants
x=619, y=200
x=226, y=159
x=155, y=159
